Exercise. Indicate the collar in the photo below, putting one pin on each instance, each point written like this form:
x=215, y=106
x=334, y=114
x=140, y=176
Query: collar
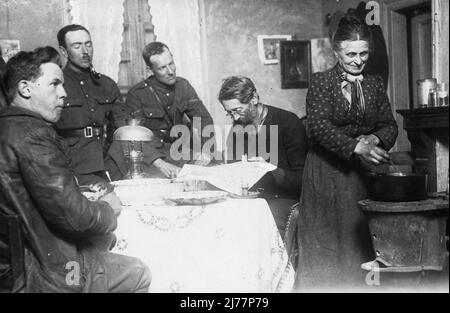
x=262, y=116
x=19, y=111
x=81, y=75
x=157, y=84
x=346, y=77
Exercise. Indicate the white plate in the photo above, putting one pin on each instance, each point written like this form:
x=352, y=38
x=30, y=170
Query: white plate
x=141, y=182
x=197, y=197
x=145, y=191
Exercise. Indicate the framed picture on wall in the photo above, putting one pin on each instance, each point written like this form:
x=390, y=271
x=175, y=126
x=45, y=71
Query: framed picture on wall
x=269, y=47
x=9, y=48
x=295, y=64
x=322, y=55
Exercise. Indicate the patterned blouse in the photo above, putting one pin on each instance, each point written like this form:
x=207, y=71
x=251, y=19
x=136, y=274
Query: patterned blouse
x=335, y=125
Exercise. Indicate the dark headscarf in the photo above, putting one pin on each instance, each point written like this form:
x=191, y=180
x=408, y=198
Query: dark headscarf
x=378, y=63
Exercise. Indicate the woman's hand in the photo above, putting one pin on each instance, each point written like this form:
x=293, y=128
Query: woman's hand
x=369, y=139
x=371, y=153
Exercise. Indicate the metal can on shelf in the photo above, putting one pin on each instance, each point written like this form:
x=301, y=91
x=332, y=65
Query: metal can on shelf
x=433, y=98
x=423, y=91
x=443, y=94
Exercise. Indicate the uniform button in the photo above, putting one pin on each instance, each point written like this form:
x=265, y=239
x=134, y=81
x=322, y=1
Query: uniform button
x=151, y=114
x=162, y=141
x=87, y=96
x=107, y=100
x=145, y=84
x=167, y=94
x=92, y=110
x=81, y=83
x=168, y=107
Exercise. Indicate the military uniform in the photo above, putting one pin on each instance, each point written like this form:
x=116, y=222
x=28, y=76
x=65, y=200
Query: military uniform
x=162, y=106
x=88, y=112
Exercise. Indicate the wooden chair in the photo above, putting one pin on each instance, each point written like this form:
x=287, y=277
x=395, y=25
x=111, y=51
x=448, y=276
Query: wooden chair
x=12, y=254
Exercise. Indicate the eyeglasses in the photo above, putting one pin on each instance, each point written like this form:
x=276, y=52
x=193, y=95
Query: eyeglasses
x=234, y=111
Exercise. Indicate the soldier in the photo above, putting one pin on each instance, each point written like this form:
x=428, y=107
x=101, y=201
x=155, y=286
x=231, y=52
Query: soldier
x=88, y=111
x=164, y=100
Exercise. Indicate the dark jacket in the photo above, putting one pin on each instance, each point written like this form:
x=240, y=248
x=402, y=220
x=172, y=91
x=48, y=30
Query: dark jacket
x=291, y=149
x=335, y=127
x=36, y=184
x=143, y=103
x=160, y=110
x=89, y=102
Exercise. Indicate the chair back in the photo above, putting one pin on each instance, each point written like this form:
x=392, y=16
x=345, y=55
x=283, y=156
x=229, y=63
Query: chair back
x=12, y=254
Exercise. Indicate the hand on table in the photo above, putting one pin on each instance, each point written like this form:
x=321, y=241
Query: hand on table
x=202, y=159
x=256, y=159
x=170, y=170
x=113, y=200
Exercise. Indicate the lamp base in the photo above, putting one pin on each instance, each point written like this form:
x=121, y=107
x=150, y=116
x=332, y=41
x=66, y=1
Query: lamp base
x=136, y=175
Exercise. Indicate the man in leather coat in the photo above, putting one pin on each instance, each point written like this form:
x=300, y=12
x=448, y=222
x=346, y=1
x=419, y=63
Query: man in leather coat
x=59, y=224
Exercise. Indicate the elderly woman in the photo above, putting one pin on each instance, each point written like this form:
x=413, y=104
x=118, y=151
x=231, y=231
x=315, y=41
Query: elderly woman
x=350, y=126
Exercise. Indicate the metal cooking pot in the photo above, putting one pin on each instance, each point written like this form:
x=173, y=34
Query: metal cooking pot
x=397, y=187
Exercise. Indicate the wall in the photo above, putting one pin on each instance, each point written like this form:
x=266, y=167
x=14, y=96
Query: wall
x=34, y=23
x=444, y=38
x=231, y=30
x=332, y=6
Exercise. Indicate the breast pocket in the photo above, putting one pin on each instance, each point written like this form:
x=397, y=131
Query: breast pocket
x=105, y=102
x=73, y=114
x=154, y=118
x=100, y=108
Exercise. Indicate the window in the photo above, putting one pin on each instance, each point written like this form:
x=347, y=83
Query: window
x=138, y=31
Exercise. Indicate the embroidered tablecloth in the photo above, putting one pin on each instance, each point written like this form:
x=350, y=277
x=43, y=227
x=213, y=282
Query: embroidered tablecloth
x=230, y=246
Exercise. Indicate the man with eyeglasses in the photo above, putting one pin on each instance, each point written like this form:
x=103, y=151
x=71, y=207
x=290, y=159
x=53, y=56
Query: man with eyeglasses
x=282, y=186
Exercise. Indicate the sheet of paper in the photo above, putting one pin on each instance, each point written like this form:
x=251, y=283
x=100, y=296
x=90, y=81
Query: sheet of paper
x=229, y=177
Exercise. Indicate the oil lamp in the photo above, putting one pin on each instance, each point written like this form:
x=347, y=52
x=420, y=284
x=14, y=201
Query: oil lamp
x=133, y=135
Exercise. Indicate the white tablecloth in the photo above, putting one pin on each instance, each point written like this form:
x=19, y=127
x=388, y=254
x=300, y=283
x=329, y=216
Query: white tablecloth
x=230, y=246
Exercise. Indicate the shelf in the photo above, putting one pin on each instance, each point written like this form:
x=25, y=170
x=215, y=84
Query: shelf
x=426, y=118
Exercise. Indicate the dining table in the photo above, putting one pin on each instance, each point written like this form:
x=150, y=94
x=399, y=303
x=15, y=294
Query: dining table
x=231, y=245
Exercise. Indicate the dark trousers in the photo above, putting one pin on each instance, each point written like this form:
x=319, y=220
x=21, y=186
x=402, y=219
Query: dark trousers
x=116, y=273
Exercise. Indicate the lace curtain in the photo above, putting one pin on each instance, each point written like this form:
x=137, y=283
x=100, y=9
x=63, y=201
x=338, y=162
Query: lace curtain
x=104, y=20
x=177, y=24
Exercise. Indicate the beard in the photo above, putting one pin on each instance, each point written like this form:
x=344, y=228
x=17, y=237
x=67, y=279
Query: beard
x=248, y=118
